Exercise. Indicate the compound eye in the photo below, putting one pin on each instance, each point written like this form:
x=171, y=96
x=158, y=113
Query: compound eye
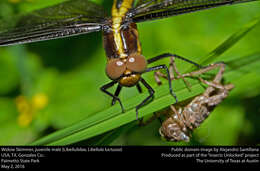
x=115, y=68
x=136, y=63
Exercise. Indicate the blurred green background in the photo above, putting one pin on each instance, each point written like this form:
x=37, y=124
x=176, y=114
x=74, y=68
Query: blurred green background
x=47, y=86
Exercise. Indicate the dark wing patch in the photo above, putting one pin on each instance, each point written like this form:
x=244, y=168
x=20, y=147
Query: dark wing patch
x=156, y=9
x=65, y=19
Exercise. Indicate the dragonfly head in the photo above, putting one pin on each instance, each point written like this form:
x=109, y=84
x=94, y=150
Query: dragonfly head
x=127, y=70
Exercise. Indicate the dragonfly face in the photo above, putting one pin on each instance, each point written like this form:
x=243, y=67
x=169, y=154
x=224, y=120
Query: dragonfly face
x=125, y=63
x=128, y=70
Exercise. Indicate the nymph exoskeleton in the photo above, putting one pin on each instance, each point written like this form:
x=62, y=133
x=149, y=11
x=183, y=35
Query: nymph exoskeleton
x=182, y=120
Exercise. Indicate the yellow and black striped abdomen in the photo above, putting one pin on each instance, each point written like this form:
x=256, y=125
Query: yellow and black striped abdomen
x=122, y=39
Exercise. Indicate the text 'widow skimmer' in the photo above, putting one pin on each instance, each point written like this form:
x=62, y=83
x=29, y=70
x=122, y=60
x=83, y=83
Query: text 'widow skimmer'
x=125, y=63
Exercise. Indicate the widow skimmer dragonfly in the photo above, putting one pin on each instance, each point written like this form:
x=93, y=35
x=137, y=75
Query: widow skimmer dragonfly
x=125, y=63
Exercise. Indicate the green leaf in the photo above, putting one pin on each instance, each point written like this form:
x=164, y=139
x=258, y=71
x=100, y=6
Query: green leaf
x=112, y=117
x=228, y=43
x=112, y=135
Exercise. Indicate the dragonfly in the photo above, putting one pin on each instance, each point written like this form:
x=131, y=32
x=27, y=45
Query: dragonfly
x=125, y=62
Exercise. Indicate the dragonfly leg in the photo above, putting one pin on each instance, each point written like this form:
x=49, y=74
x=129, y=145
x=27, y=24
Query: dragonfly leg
x=168, y=77
x=118, y=89
x=172, y=67
x=166, y=55
x=139, y=88
x=104, y=89
x=151, y=92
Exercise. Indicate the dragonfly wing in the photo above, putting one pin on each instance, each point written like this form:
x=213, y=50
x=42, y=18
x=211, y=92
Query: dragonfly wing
x=65, y=19
x=156, y=9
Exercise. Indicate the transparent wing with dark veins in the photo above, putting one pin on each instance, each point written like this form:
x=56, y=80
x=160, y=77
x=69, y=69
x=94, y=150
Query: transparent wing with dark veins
x=65, y=19
x=156, y=9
